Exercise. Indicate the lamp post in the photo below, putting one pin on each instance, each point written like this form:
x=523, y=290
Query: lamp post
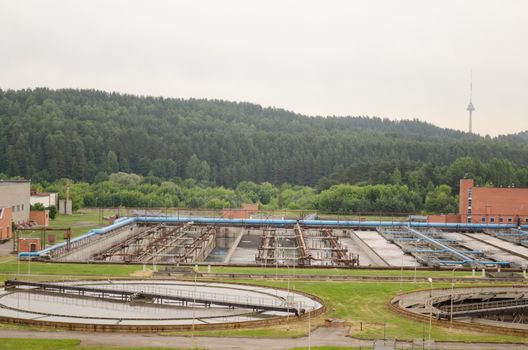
x=452, y=291
x=309, y=330
x=415, y=260
x=430, y=309
x=401, y=274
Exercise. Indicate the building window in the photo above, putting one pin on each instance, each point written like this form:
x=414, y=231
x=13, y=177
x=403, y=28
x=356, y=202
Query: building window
x=470, y=202
x=484, y=220
x=469, y=211
x=469, y=220
x=18, y=207
x=22, y=207
x=501, y=220
x=492, y=220
x=526, y=220
x=510, y=220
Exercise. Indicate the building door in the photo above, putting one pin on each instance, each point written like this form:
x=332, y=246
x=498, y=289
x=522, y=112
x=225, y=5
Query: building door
x=32, y=247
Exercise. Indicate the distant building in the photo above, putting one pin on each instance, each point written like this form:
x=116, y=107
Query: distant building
x=15, y=195
x=5, y=224
x=244, y=213
x=40, y=217
x=488, y=205
x=47, y=199
x=492, y=205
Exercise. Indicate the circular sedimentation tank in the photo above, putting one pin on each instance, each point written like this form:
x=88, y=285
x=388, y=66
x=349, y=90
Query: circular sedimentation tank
x=150, y=305
x=502, y=309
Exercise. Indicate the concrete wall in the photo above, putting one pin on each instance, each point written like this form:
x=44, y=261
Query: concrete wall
x=65, y=207
x=15, y=194
x=99, y=244
x=5, y=223
x=493, y=205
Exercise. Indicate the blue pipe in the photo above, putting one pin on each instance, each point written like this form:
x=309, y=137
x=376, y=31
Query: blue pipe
x=454, y=262
x=444, y=251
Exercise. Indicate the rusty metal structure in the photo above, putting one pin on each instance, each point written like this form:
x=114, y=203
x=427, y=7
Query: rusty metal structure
x=162, y=243
x=302, y=247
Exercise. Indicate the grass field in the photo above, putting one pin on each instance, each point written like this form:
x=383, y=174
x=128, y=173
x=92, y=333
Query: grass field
x=12, y=267
x=332, y=272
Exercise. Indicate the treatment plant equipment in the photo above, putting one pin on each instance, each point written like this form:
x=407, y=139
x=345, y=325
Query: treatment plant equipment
x=502, y=309
x=273, y=242
x=151, y=305
x=511, y=235
x=431, y=248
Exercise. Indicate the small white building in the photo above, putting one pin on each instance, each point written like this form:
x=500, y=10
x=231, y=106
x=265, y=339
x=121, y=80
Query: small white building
x=47, y=199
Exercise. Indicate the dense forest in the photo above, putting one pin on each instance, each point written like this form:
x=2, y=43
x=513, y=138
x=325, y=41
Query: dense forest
x=86, y=135
x=114, y=149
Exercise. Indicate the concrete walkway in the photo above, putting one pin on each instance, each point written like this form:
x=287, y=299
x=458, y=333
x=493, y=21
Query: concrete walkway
x=321, y=336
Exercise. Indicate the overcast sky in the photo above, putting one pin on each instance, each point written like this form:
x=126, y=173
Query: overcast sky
x=394, y=59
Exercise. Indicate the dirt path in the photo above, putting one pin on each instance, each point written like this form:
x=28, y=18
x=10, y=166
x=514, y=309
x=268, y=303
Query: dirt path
x=321, y=336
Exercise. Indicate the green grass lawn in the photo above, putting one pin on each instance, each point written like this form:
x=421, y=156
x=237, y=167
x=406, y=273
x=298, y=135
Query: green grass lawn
x=58, y=344
x=12, y=267
x=333, y=272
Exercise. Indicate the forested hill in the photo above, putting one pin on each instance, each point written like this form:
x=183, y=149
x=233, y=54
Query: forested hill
x=50, y=134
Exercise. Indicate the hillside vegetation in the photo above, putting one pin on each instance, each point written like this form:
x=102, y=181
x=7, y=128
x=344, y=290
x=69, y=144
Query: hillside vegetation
x=122, y=150
x=78, y=134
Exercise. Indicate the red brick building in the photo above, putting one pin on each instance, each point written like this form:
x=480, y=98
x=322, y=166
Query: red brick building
x=40, y=217
x=5, y=223
x=244, y=213
x=28, y=245
x=490, y=205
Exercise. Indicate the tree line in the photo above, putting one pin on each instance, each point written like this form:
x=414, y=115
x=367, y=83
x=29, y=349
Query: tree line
x=425, y=189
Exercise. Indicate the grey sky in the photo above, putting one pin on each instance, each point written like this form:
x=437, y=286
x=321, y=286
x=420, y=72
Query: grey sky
x=395, y=59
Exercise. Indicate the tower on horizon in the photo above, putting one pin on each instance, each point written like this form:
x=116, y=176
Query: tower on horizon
x=470, y=108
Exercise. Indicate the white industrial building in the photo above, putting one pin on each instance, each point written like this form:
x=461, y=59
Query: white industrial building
x=47, y=199
x=15, y=194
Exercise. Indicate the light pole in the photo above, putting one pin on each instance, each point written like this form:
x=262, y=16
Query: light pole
x=401, y=275
x=194, y=311
x=452, y=291
x=415, y=260
x=309, y=330
x=430, y=309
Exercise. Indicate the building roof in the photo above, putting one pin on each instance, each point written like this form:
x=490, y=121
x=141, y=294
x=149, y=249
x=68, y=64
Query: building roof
x=14, y=181
x=42, y=194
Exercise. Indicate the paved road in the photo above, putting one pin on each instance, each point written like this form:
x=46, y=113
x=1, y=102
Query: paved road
x=6, y=248
x=321, y=336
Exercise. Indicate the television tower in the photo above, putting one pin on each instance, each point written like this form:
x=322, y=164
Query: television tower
x=470, y=108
